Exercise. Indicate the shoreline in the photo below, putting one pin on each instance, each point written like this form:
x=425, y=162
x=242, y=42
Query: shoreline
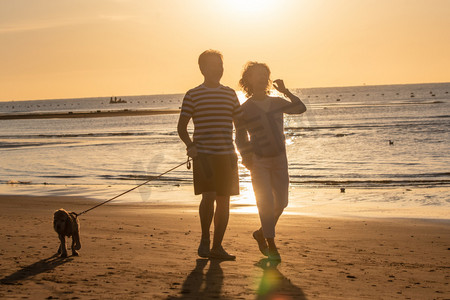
x=149, y=251
x=378, y=203
x=91, y=114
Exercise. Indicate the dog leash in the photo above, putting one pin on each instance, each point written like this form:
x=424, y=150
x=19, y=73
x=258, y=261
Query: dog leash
x=188, y=165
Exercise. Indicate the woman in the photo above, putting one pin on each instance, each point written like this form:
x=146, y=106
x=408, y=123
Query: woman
x=265, y=153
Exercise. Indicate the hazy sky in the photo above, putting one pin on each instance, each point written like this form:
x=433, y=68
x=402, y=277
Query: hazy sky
x=83, y=48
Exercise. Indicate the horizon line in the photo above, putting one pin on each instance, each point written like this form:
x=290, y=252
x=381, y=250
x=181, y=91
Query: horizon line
x=295, y=88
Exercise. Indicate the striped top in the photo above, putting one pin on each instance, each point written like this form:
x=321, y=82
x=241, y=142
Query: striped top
x=212, y=110
x=264, y=122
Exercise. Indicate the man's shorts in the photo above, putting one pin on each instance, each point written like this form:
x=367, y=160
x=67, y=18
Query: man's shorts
x=216, y=173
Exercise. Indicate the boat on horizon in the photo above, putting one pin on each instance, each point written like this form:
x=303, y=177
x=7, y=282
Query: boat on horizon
x=115, y=100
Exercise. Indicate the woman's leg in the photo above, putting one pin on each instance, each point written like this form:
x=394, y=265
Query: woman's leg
x=261, y=181
x=280, y=190
x=280, y=185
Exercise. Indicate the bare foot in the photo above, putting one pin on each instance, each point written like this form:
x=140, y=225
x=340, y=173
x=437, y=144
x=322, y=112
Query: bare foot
x=262, y=244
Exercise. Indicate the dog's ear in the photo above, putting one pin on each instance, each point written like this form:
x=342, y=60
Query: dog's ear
x=55, y=214
x=67, y=222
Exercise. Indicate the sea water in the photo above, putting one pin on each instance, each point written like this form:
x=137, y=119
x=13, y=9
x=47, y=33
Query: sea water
x=361, y=137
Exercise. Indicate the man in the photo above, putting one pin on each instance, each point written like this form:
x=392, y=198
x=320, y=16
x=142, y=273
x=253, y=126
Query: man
x=213, y=109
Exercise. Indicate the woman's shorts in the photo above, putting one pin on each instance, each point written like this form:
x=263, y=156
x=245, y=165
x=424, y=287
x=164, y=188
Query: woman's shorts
x=216, y=173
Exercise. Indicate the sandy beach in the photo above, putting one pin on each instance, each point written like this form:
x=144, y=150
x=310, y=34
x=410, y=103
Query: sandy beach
x=148, y=251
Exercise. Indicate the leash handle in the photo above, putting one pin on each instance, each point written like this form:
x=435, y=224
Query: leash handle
x=188, y=163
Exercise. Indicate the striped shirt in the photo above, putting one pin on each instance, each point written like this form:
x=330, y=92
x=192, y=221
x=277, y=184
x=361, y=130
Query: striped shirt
x=264, y=122
x=212, y=110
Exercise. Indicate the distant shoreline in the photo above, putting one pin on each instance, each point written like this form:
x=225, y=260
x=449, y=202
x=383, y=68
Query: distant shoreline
x=92, y=114
x=181, y=94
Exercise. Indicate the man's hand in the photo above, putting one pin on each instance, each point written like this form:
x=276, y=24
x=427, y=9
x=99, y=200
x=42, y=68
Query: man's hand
x=278, y=84
x=191, y=151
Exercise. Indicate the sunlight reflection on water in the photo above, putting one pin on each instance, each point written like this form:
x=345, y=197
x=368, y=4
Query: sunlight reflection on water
x=245, y=202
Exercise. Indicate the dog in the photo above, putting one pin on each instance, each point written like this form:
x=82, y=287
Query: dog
x=66, y=224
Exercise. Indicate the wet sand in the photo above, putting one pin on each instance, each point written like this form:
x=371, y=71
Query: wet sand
x=91, y=114
x=148, y=251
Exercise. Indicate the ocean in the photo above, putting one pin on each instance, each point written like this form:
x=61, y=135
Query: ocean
x=354, y=137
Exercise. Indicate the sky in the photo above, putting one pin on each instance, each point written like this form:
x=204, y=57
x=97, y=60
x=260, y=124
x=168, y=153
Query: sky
x=53, y=49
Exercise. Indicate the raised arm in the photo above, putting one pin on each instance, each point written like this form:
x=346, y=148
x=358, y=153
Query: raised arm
x=298, y=106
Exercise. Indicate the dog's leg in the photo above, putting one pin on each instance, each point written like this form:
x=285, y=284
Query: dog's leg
x=76, y=239
x=74, y=245
x=62, y=247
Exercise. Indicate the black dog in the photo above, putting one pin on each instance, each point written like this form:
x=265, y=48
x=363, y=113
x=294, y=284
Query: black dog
x=66, y=224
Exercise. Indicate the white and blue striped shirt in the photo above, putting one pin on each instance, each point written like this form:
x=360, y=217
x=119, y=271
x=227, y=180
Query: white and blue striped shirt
x=212, y=110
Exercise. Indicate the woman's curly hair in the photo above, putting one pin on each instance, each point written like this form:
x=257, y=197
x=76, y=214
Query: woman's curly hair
x=246, y=73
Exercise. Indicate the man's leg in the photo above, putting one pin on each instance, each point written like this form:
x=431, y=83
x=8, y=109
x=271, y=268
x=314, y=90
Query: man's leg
x=206, y=212
x=220, y=220
x=220, y=225
x=226, y=182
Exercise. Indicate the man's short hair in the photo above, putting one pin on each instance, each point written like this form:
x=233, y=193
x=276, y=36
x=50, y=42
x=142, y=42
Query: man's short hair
x=208, y=53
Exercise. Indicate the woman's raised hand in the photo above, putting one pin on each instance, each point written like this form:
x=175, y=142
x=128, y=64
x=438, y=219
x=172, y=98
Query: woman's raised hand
x=278, y=84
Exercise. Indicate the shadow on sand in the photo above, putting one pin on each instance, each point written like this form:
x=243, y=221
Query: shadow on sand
x=39, y=267
x=203, y=286
x=275, y=285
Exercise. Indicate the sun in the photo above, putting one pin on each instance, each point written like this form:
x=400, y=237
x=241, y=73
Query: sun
x=251, y=6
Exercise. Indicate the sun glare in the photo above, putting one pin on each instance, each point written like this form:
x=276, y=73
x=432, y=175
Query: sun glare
x=251, y=6
x=241, y=96
x=245, y=203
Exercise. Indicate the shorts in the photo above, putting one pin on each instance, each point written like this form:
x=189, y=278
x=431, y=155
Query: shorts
x=216, y=173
